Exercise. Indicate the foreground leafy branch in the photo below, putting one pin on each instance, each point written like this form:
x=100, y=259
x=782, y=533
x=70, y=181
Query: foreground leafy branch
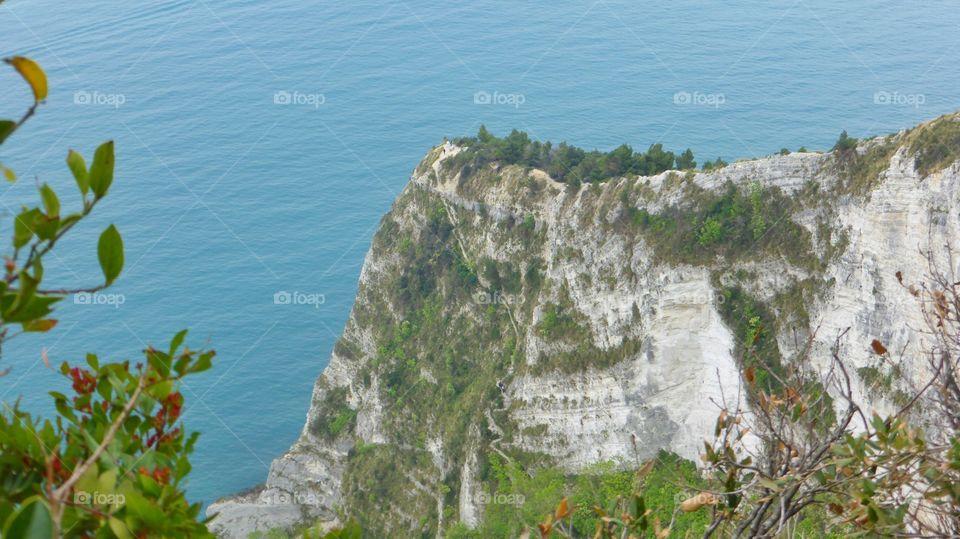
x=113, y=461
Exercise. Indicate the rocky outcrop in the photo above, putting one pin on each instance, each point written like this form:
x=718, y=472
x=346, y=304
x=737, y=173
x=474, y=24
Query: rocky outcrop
x=499, y=310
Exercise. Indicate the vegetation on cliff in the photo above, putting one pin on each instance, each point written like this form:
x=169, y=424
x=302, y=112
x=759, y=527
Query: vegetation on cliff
x=566, y=163
x=113, y=461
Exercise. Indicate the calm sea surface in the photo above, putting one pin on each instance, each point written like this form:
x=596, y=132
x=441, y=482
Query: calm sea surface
x=259, y=143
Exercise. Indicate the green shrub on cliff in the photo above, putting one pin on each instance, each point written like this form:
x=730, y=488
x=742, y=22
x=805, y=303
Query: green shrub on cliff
x=567, y=163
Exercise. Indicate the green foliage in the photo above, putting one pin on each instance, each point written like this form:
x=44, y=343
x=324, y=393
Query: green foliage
x=685, y=160
x=558, y=321
x=381, y=475
x=936, y=144
x=351, y=530
x=714, y=165
x=114, y=460
x=670, y=480
x=567, y=163
x=752, y=325
x=711, y=232
x=861, y=172
x=516, y=498
x=117, y=451
x=758, y=223
x=845, y=143
x=333, y=416
x=732, y=222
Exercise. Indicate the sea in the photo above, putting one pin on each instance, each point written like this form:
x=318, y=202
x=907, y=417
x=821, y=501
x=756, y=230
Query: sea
x=259, y=144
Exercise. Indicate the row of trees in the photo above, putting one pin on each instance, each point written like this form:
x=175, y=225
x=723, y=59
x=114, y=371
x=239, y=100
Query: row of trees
x=571, y=164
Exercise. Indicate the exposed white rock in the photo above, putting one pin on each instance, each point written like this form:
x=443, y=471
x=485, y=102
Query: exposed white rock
x=666, y=394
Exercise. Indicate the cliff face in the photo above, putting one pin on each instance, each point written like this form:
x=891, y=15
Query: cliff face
x=501, y=312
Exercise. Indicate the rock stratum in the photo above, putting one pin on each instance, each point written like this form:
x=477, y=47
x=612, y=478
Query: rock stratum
x=500, y=311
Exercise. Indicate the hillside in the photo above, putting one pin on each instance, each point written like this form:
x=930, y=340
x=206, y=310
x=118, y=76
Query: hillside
x=506, y=317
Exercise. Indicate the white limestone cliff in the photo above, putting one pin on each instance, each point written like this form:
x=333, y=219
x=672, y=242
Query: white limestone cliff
x=667, y=393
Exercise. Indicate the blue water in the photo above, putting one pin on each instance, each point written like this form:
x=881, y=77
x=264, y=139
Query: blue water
x=225, y=198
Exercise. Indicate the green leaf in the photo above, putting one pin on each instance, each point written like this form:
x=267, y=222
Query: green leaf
x=6, y=128
x=28, y=288
x=23, y=227
x=107, y=482
x=45, y=227
x=141, y=507
x=177, y=341
x=31, y=308
x=89, y=481
x=32, y=520
x=204, y=362
x=101, y=171
x=50, y=201
x=110, y=253
x=119, y=529
x=79, y=169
